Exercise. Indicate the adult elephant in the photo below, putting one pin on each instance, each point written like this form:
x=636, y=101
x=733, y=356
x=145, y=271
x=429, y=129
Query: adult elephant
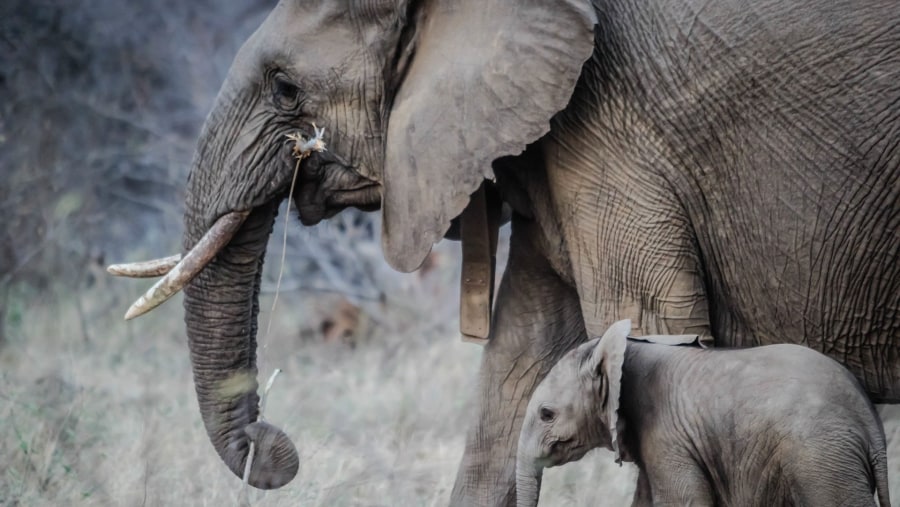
x=729, y=169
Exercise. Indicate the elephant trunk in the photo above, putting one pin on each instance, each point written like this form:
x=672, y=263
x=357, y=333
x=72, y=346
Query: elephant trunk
x=528, y=484
x=528, y=476
x=221, y=306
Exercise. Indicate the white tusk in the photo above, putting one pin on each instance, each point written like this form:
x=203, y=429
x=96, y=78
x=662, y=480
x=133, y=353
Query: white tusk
x=193, y=262
x=145, y=269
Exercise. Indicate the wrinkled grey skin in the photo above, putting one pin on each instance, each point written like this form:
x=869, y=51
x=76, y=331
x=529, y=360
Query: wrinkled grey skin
x=698, y=167
x=767, y=426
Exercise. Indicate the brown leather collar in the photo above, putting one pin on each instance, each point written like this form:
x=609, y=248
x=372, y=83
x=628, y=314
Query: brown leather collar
x=479, y=225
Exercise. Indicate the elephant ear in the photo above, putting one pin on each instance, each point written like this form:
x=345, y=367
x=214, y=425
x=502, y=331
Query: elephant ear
x=484, y=81
x=605, y=363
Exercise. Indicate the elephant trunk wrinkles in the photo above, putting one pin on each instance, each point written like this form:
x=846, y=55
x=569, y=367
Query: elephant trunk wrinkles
x=221, y=307
x=528, y=486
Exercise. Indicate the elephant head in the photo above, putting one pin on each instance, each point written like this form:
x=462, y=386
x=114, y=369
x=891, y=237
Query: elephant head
x=417, y=98
x=573, y=410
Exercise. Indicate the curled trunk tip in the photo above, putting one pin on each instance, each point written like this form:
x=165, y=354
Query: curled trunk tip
x=275, y=459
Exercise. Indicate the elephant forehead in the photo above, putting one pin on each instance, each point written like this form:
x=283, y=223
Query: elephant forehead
x=306, y=37
x=325, y=31
x=560, y=385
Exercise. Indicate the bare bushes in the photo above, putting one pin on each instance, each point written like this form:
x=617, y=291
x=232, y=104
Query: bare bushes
x=102, y=101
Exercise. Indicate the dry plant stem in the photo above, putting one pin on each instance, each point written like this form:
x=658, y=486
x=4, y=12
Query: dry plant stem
x=193, y=262
x=244, y=495
x=283, y=253
x=301, y=149
x=245, y=490
x=145, y=269
x=265, y=396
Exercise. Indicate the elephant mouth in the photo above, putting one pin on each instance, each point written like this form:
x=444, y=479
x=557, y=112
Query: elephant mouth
x=327, y=184
x=562, y=452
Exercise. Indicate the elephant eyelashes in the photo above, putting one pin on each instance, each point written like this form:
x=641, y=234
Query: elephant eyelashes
x=285, y=94
x=547, y=415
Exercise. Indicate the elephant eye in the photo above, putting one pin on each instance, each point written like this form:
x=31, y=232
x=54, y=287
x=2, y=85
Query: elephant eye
x=547, y=414
x=285, y=94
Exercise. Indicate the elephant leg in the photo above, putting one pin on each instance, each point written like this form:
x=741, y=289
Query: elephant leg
x=536, y=320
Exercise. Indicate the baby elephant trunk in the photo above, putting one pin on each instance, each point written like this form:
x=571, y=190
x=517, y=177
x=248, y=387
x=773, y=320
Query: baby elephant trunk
x=528, y=477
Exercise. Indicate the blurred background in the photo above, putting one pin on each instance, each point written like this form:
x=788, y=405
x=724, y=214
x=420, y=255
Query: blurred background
x=100, y=104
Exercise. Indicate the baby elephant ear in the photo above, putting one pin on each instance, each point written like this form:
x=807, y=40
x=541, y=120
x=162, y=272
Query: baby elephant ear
x=606, y=362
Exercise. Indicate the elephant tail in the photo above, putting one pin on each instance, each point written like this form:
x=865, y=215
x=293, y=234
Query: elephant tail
x=878, y=458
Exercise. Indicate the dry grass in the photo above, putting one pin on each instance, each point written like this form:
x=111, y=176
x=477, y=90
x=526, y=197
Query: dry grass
x=103, y=412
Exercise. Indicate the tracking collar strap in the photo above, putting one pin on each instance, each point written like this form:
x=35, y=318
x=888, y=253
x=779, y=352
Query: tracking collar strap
x=479, y=225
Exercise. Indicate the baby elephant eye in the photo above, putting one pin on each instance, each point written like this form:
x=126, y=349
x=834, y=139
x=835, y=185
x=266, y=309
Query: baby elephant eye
x=546, y=414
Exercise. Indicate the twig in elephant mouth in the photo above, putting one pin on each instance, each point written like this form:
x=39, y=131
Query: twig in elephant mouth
x=180, y=270
x=302, y=148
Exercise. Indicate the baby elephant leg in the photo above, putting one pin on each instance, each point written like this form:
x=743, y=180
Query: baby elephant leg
x=842, y=464
x=845, y=489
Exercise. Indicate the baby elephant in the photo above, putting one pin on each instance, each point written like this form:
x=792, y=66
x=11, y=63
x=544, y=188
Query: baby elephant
x=766, y=426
